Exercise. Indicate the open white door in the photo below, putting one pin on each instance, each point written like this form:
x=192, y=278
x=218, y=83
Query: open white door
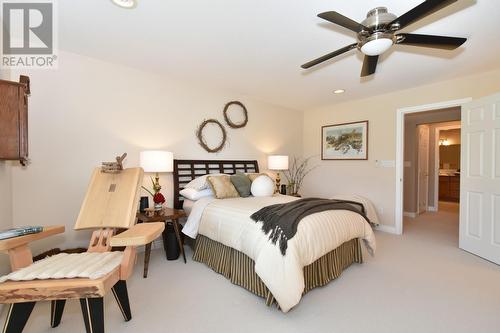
x=480, y=178
x=423, y=168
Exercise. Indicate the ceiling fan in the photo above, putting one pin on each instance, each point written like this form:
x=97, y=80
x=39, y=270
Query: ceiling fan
x=377, y=33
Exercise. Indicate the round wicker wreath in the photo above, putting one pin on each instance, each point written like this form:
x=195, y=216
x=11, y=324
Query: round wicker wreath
x=203, y=142
x=226, y=117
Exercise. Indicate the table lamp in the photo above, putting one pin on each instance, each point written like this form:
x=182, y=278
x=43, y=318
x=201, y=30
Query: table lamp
x=277, y=163
x=157, y=161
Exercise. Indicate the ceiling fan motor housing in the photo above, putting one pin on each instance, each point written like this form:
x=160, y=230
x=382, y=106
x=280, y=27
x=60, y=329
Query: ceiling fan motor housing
x=379, y=32
x=378, y=18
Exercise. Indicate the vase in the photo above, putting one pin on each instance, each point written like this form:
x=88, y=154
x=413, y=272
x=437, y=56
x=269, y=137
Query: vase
x=291, y=190
x=158, y=206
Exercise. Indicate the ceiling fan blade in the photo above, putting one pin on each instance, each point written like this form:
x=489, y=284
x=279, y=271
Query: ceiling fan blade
x=369, y=65
x=329, y=56
x=424, y=9
x=341, y=20
x=437, y=42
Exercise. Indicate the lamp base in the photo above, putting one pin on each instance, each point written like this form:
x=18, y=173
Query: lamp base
x=278, y=181
x=156, y=183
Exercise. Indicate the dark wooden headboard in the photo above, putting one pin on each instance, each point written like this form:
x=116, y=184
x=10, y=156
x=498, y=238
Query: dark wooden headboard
x=187, y=170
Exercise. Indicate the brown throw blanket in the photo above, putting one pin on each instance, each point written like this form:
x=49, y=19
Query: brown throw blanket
x=280, y=221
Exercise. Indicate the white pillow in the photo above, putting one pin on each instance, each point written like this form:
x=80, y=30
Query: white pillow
x=192, y=194
x=263, y=186
x=201, y=183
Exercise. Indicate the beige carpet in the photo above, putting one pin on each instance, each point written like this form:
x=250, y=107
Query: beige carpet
x=420, y=282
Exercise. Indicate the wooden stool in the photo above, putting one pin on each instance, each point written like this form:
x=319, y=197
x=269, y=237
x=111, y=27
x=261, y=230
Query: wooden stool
x=164, y=215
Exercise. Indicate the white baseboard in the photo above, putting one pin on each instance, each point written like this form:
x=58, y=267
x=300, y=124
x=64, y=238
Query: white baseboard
x=387, y=228
x=410, y=214
x=432, y=209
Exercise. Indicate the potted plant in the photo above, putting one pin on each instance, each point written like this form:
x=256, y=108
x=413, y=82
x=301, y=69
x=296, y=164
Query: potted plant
x=296, y=173
x=158, y=198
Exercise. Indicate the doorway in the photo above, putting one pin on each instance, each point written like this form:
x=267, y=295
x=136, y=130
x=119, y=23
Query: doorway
x=431, y=187
x=447, y=163
x=479, y=214
x=422, y=158
x=401, y=162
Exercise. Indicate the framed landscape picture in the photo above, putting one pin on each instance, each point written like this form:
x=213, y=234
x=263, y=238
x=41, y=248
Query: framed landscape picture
x=345, y=141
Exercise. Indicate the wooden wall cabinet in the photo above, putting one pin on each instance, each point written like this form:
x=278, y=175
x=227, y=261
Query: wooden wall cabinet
x=14, y=119
x=449, y=188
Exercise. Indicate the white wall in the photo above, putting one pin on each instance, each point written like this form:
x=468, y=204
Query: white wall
x=5, y=198
x=5, y=208
x=364, y=177
x=88, y=111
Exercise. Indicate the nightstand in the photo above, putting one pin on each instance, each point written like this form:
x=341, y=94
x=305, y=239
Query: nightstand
x=163, y=215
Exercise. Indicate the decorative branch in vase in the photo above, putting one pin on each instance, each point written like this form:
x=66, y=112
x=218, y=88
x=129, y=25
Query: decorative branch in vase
x=296, y=173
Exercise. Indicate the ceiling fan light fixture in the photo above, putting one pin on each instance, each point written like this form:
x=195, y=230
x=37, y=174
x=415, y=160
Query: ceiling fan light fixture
x=129, y=4
x=377, y=46
x=378, y=32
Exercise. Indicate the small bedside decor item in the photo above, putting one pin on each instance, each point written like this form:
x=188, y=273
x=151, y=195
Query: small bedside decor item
x=113, y=167
x=277, y=163
x=296, y=173
x=228, y=120
x=201, y=139
x=144, y=204
x=157, y=161
x=159, y=200
x=283, y=189
x=347, y=141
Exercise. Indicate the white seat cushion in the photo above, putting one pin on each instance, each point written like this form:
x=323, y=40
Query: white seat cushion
x=91, y=265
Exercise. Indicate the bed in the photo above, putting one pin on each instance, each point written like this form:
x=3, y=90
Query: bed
x=230, y=243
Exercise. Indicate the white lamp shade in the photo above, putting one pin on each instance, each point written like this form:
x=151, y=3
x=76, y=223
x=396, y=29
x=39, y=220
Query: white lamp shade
x=157, y=161
x=277, y=162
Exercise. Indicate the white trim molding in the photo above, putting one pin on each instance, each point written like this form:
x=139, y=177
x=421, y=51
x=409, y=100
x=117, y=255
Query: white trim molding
x=410, y=214
x=386, y=228
x=432, y=209
x=400, y=126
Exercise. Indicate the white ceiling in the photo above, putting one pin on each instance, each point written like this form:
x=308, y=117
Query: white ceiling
x=256, y=47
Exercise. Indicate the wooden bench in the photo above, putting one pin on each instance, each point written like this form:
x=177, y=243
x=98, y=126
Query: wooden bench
x=109, y=205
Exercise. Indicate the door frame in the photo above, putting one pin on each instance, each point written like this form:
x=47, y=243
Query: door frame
x=419, y=189
x=437, y=134
x=400, y=128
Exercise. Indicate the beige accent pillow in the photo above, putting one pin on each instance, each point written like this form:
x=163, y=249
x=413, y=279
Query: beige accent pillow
x=222, y=187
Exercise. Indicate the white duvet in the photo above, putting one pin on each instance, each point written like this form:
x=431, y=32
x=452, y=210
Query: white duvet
x=228, y=221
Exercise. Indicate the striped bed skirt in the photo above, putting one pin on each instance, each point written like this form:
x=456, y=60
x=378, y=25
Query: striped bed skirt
x=240, y=269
